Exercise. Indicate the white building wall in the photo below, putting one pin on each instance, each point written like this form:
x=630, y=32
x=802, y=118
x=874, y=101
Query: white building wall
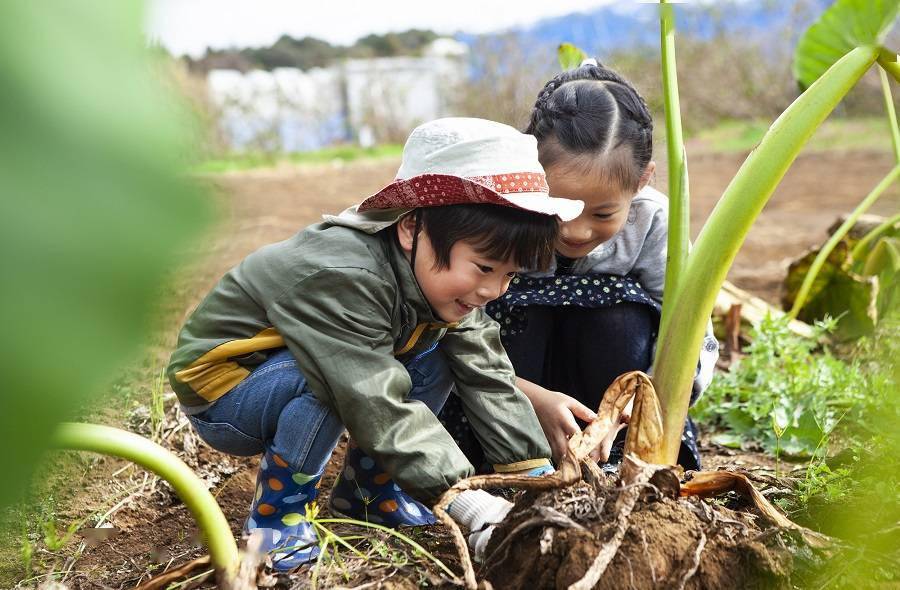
x=379, y=99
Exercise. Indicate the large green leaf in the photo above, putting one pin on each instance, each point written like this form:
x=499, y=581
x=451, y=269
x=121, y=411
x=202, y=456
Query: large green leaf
x=570, y=56
x=847, y=24
x=94, y=209
x=837, y=292
x=799, y=268
x=884, y=263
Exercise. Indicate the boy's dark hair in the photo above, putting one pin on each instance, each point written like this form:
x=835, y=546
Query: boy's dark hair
x=592, y=111
x=495, y=231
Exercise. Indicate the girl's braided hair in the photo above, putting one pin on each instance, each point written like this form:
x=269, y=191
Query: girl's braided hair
x=592, y=112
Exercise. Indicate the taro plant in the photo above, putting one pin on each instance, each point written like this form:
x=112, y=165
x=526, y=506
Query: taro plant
x=852, y=280
x=119, y=443
x=859, y=284
x=837, y=51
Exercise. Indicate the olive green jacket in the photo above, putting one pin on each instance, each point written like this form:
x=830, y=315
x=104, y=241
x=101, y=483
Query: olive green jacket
x=346, y=303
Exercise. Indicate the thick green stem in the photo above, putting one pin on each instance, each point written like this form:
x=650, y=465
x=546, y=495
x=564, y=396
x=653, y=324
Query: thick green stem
x=863, y=245
x=725, y=230
x=679, y=193
x=149, y=455
x=836, y=237
x=890, y=65
x=891, y=114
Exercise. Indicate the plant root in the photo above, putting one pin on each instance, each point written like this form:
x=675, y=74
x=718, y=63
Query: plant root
x=642, y=483
x=642, y=437
x=640, y=476
x=705, y=484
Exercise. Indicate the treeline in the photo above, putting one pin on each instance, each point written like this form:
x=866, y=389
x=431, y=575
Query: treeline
x=309, y=52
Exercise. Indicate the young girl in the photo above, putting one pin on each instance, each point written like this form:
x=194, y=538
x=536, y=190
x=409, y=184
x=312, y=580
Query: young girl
x=571, y=330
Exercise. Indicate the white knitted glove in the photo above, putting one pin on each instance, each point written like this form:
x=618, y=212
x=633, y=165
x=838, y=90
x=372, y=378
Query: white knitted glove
x=479, y=512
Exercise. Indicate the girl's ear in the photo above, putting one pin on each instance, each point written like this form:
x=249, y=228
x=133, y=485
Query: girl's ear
x=406, y=227
x=647, y=175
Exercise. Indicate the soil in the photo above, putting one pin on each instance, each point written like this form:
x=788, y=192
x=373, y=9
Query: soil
x=668, y=543
x=259, y=207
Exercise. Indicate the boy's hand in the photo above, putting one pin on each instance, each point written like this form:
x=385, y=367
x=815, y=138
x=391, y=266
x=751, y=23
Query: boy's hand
x=479, y=512
x=557, y=413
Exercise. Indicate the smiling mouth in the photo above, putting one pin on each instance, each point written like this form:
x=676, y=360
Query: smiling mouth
x=466, y=306
x=576, y=244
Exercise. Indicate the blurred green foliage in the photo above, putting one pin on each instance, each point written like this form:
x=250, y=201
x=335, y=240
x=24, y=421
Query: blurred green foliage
x=854, y=494
x=834, y=135
x=843, y=415
x=95, y=208
x=337, y=154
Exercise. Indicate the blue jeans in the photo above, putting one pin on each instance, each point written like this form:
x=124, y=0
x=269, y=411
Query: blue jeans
x=274, y=409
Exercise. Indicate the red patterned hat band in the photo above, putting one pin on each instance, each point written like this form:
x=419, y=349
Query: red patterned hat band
x=513, y=182
x=433, y=190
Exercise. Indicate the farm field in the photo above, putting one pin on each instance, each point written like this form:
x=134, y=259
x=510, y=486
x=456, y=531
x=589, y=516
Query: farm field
x=265, y=205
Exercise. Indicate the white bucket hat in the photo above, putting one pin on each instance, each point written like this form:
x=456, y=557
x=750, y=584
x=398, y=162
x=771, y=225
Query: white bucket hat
x=456, y=161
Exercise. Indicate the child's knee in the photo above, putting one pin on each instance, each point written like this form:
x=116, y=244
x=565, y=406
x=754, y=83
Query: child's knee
x=431, y=379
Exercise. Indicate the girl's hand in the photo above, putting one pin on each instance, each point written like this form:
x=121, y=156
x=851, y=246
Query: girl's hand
x=557, y=413
x=601, y=453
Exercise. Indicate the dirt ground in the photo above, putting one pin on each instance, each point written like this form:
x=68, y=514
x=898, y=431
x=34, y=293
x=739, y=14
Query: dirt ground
x=263, y=206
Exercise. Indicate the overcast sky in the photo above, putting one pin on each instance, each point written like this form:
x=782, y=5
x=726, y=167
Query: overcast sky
x=189, y=26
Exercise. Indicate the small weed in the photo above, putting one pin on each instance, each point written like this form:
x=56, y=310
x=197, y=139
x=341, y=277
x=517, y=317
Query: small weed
x=157, y=406
x=343, y=555
x=53, y=540
x=27, y=554
x=786, y=394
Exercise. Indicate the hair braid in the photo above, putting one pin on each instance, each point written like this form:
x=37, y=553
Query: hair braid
x=585, y=118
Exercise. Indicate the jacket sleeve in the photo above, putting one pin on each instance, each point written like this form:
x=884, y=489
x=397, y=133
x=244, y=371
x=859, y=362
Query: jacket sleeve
x=501, y=416
x=337, y=323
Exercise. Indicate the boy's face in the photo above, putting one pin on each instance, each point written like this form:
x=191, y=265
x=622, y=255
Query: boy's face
x=471, y=281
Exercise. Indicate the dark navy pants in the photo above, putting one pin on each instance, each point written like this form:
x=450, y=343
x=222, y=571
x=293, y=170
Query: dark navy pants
x=580, y=352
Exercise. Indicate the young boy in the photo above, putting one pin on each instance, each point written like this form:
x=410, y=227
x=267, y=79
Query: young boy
x=365, y=322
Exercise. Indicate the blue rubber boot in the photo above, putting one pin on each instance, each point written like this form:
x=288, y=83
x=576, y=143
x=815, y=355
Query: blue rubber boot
x=278, y=512
x=364, y=492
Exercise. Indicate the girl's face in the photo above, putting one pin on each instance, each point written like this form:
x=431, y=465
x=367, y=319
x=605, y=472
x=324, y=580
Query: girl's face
x=605, y=208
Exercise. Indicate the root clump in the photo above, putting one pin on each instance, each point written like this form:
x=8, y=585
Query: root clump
x=601, y=536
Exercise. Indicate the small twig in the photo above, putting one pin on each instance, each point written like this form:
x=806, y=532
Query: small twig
x=122, y=470
x=630, y=572
x=162, y=580
x=112, y=548
x=377, y=583
x=696, y=562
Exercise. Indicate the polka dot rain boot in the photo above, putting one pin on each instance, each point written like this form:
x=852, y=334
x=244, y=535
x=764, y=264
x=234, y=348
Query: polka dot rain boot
x=363, y=491
x=278, y=512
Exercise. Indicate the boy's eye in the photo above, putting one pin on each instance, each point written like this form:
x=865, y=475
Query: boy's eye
x=603, y=215
x=511, y=275
x=484, y=268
